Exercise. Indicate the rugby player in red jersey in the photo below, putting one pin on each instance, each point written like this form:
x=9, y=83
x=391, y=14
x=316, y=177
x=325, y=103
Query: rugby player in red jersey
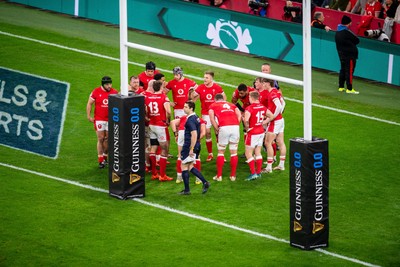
x=146, y=76
x=158, y=113
x=276, y=127
x=99, y=97
x=225, y=118
x=179, y=86
x=206, y=93
x=254, y=119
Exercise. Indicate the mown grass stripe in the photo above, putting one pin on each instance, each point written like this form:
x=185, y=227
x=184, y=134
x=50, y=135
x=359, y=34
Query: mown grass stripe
x=193, y=77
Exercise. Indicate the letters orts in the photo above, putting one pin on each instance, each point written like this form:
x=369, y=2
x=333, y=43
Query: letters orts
x=32, y=112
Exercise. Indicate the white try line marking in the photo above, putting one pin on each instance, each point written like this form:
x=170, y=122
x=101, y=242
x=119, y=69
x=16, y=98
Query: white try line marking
x=187, y=214
x=190, y=76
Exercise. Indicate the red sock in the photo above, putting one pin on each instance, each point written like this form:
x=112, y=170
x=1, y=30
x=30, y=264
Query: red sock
x=163, y=165
x=259, y=162
x=220, y=164
x=153, y=162
x=158, y=154
x=234, y=163
x=178, y=165
x=197, y=164
x=251, y=165
x=100, y=158
x=209, y=146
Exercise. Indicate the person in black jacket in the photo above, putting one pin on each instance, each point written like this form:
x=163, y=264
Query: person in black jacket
x=318, y=21
x=346, y=45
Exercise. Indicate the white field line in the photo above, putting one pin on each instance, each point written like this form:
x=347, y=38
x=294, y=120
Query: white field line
x=190, y=76
x=190, y=215
x=347, y=112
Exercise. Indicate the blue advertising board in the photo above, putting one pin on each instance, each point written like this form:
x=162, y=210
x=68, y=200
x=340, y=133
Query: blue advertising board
x=32, y=112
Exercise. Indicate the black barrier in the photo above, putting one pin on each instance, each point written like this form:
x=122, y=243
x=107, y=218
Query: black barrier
x=126, y=146
x=309, y=183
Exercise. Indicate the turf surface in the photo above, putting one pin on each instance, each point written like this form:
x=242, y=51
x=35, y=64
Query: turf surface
x=45, y=222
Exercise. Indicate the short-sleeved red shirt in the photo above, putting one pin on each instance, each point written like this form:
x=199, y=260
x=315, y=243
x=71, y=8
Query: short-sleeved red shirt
x=245, y=101
x=146, y=79
x=224, y=113
x=180, y=91
x=100, y=97
x=155, y=108
x=206, y=96
x=257, y=115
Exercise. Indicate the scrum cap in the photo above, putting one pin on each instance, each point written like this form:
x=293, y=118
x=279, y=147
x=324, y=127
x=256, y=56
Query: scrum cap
x=177, y=70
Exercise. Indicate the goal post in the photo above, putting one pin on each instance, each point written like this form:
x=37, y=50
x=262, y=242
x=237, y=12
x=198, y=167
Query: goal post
x=309, y=164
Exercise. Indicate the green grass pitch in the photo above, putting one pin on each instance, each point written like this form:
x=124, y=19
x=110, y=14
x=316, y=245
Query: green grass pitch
x=48, y=222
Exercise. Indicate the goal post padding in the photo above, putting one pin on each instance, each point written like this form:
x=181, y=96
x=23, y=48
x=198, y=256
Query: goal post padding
x=126, y=146
x=309, y=195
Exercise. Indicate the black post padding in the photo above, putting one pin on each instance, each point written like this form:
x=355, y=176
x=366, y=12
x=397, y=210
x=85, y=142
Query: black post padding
x=309, y=194
x=126, y=146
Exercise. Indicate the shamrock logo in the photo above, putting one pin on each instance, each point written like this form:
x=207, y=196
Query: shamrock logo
x=228, y=34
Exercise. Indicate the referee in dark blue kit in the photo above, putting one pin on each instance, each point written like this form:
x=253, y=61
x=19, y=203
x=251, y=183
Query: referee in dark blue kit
x=191, y=147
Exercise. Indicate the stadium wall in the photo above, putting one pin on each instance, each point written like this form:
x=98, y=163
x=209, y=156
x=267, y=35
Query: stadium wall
x=378, y=61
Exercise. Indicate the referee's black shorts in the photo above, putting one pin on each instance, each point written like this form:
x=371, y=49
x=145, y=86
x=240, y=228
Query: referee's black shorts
x=185, y=151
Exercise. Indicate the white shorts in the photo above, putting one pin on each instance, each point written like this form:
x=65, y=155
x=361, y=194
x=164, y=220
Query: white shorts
x=101, y=126
x=178, y=113
x=181, y=137
x=206, y=118
x=158, y=132
x=254, y=140
x=228, y=135
x=276, y=127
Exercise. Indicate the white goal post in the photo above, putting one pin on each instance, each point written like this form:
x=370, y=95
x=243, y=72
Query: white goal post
x=306, y=83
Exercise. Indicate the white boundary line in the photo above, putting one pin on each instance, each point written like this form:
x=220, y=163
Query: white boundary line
x=347, y=112
x=187, y=214
x=191, y=76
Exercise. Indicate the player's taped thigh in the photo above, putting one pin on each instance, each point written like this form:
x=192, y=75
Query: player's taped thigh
x=221, y=147
x=233, y=146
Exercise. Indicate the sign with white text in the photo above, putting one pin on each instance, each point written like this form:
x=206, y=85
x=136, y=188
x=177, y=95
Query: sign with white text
x=32, y=112
x=309, y=193
x=126, y=146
